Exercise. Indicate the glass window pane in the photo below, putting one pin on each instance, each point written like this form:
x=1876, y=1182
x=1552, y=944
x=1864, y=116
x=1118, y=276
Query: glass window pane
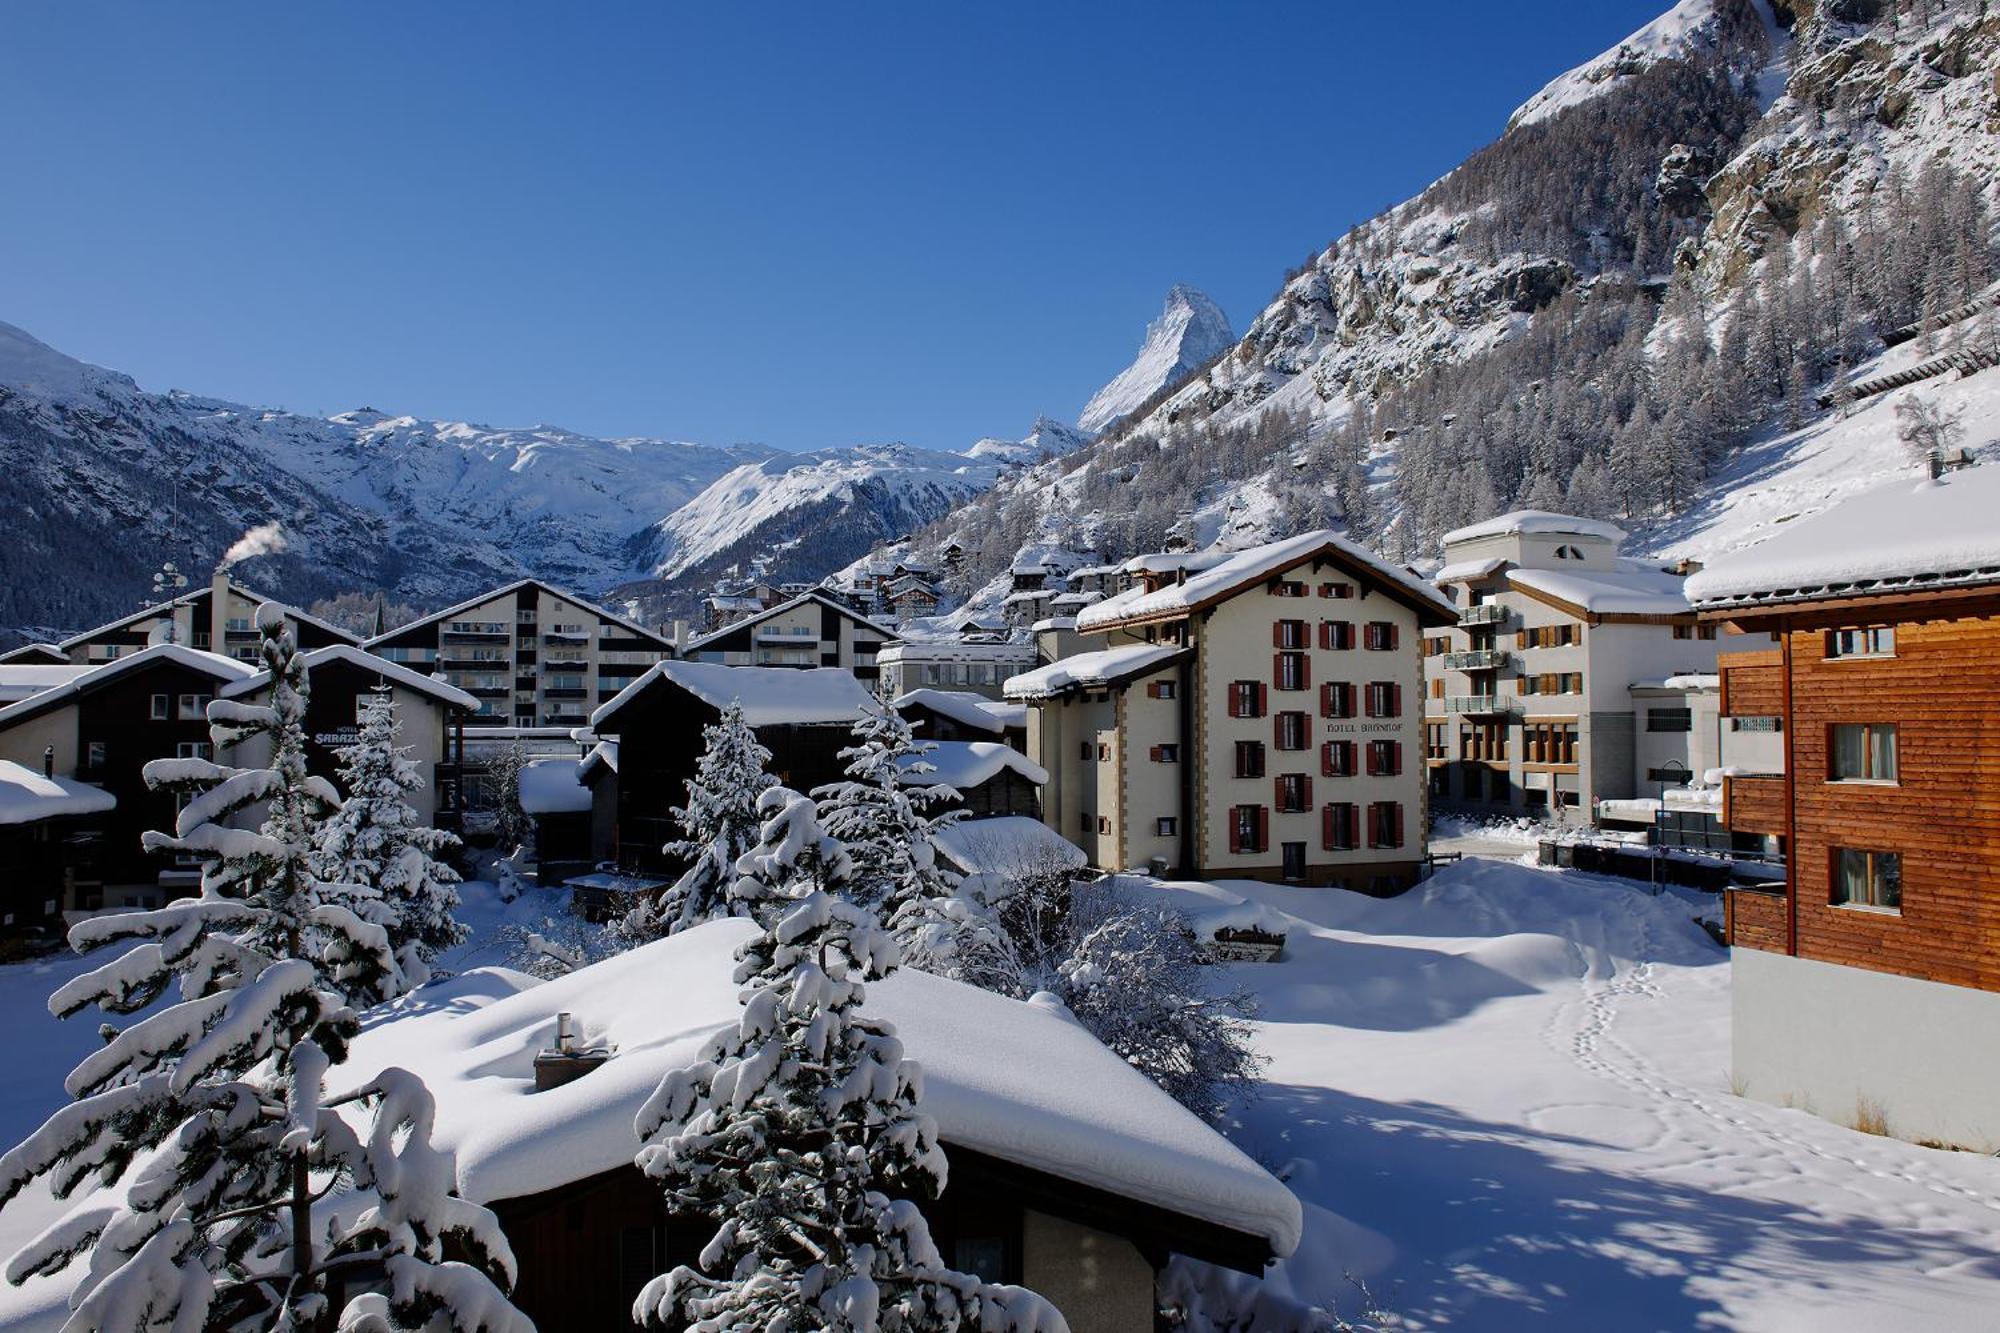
x=1847, y=751
x=1888, y=879
x=1883, y=757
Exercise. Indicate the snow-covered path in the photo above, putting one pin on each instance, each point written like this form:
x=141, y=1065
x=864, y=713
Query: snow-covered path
x=1505, y=1101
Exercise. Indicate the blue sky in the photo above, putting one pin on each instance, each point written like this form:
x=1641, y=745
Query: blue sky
x=804, y=225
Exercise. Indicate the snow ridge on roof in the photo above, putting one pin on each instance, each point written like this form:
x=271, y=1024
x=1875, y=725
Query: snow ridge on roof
x=1537, y=522
x=1239, y=569
x=967, y=764
x=1904, y=536
x=395, y=672
x=965, y=708
x=770, y=696
x=1015, y=1080
x=695, y=645
x=214, y=664
x=1106, y=666
x=553, y=787
x=26, y=796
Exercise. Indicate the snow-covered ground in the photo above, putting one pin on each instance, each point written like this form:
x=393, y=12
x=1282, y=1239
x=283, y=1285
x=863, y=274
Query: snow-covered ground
x=1504, y=1102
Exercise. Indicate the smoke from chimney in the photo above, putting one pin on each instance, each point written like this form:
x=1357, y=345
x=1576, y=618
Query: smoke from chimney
x=264, y=539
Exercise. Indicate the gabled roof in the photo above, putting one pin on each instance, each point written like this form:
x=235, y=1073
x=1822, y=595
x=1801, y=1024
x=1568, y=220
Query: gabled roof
x=501, y=591
x=215, y=665
x=396, y=672
x=1094, y=671
x=1630, y=590
x=966, y=709
x=1240, y=571
x=814, y=595
x=770, y=696
x=554, y=787
x=19, y=680
x=47, y=654
x=1906, y=537
x=158, y=609
x=968, y=764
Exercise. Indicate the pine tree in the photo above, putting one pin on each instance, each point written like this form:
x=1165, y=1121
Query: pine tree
x=718, y=825
x=221, y=1091
x=799, y=1132
x=377, y=839
x=882, y=814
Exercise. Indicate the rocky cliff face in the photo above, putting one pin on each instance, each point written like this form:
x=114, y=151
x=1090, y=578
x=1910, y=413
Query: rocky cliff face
x=1191, y=331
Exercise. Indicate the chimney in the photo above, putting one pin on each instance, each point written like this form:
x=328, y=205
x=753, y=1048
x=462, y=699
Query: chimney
x=568, y=1060
x=218, y=610
x=48, y=761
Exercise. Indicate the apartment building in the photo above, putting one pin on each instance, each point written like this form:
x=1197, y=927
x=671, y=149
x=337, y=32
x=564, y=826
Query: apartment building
x=952, y=664
x=1245, y=714
x=811, y=630
x=533, y=655
x=1867, y=982
x=220, y=618
x=1532, y=707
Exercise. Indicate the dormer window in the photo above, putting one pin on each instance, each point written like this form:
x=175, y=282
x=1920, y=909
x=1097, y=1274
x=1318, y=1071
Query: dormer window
x=1568, y=552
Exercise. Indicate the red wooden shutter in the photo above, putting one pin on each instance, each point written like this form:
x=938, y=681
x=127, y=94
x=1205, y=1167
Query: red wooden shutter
x=1326, y=634
x=1395, y=635
x=1277, y=634
x=1305, y=672
x=1263, y=828
x=1235, y=700
x=1326, y=759
x=1306, y=796
x=1235, y=828
x=1374, y=759
x=1395, y=758
x=1277, y=731
x=1155, y=753
x=1326, y=828
x=1326, y=699
x=1395, y=700
x=1263, y=699
x=1277, y=667
x=1396, y=826
x=1278, y=791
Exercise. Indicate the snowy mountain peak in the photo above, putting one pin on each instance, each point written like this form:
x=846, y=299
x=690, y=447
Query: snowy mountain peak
x=1190, y=330
x=1690, y=26
x=29, y=365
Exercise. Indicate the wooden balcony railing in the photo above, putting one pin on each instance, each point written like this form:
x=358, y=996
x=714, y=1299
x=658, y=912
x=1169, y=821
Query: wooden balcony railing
x=1754, y=803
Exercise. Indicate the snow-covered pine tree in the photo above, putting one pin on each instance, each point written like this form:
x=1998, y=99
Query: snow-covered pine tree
x=883, y=814
x=799, y=1131
x=718, y=825
x=511, y=825
x=377, y=839
x=219, y=1097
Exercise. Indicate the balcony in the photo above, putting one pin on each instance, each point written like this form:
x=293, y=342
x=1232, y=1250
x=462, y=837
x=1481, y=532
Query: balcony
x=1477, y=704
x=1479, y=659
x=482, y=634
x=1755, y=803
x=565, y=638
x=790, y=637
x=1485, y=613
x=565, y=692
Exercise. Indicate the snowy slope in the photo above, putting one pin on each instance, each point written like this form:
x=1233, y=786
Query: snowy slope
x=1688, y=27
x=1189, y=330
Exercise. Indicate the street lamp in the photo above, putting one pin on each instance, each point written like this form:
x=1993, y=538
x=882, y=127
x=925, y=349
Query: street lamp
x=1663, y=772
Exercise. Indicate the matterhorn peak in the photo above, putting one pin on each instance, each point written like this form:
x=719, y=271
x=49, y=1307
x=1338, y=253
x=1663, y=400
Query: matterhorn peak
x=1190, y=329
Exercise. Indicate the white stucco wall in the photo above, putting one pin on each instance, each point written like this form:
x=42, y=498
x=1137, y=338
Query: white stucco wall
x=1825, y=1038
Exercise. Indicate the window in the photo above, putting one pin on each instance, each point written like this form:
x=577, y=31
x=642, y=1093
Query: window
x=1483, y=741
x=1294, y=860
x=1568, y=553
x=1551, y=682
x=1288, y=588
x=1289, y=634
x=1336, y=590
x=193, y=707
x=1166, y=826
x=1869, y=641
x=1249, y=827
x=1385, y=699
x=1160, y=689
x=1246, y=698
x=1086, y=751
x=1385, y=758
x=1756, y=724
x=1249, y=759
x=1104, y=823
x=1549, y=636
x=1673, y=777
x=1669, y=719
x=1684, y=631
x=1867, y=879
x=1166, y=754
x=193, y=750
x=1336, y=759
x=1289, y=672
x=1861, y=752
x=1549, y=743
x=1292, y=731
x=1103, y=753
x=1434, y=740
x=1336, y=635
x=1380, y=636
x=162, y=706
x=1385, y=824
x=1295, y=793
x=93, y=755
x=1336, y=699
x=1338, y=827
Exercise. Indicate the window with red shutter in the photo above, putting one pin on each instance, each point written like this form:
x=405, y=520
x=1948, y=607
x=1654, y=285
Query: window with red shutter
x=1395, y=699
x=1263, y=828
x=1395, y=826
x=1305, y=791
x=1337, y=826
x=1263, y=699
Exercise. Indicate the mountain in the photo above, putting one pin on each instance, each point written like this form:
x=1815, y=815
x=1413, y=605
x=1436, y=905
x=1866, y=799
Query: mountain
x=1046, y=437
x=1656, y=289
x=1191, y=330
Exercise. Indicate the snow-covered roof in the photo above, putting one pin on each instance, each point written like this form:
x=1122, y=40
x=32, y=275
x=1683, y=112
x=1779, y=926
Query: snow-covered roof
x=394, y=672
x=26, y=796
x=212, y=664
x=46, y=654
x=1239, y=570
x=1105, y=666
x=1030, y=595
x=1631, y=591
x=1464, y=571
x=554, y=787
x=967, y=764
x=1697, y=682
x=18, y=680
x=956, y=650
x=1538, y=522
x=604, y=754
x=1017, y=1080
x=966, y=709
x=695, y=645
x=159, y=610
x=1903, y=537
x=1005, y=843
x=771, y=696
